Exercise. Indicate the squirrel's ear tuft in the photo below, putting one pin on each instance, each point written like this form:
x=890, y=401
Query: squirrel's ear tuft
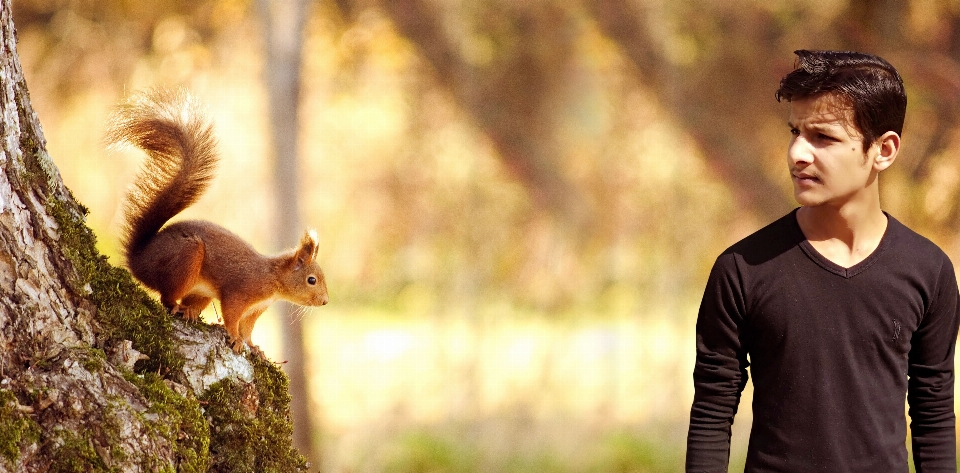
x=309, y=246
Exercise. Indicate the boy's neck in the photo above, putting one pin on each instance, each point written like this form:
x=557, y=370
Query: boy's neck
x=845, y=235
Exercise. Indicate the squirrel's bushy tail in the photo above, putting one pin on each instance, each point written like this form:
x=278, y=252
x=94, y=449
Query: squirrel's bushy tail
x=181, y=156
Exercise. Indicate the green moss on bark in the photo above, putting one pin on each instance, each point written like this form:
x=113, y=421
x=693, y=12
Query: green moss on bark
x=178, y=419
x=77, y=455
x=17, y=429
x=250, y=423
x=124, y=310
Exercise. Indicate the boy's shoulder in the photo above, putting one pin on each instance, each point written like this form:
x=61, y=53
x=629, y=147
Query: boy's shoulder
x=766, y=243
x=911, y=244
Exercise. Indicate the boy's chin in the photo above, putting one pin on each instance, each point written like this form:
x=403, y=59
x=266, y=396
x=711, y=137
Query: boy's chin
x=806, y=200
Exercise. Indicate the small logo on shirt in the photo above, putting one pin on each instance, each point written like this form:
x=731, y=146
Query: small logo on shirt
x=896, y=330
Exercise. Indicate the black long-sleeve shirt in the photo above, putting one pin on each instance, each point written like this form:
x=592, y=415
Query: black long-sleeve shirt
x=832, y=352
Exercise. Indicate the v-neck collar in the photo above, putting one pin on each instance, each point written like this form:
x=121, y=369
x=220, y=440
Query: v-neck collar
x=835, y=268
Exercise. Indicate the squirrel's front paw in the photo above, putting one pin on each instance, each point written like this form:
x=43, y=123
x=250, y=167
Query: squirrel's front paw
x=237, y=345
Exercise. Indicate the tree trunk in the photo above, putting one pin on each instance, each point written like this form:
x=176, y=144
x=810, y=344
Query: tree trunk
x=283, y=25
x=94, y=375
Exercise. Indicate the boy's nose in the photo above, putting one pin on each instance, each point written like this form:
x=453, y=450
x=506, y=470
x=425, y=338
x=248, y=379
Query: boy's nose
x=799, y=151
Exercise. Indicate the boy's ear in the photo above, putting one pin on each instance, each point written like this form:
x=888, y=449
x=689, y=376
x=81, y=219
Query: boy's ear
x=889, y=146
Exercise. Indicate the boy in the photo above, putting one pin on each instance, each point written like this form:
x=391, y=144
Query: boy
x=837, y=307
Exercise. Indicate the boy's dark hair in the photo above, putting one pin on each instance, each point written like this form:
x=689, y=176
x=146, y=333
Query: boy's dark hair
x=871, y=86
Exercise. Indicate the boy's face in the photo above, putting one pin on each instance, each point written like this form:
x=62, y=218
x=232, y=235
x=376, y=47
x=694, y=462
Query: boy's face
x=826, y=156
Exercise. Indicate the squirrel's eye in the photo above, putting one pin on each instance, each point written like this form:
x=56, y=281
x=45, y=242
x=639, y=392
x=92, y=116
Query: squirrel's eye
x=311, y=280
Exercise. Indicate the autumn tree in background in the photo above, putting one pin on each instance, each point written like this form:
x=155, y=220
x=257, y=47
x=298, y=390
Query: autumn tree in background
x=714, y=65
x=512, y=68
x=590, y=112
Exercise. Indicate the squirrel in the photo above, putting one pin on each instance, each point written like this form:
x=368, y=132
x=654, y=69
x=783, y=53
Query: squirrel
x=194, y=261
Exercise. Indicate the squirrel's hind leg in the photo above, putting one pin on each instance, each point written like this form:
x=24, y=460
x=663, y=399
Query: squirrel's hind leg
x=184, y=260
x=191, y=306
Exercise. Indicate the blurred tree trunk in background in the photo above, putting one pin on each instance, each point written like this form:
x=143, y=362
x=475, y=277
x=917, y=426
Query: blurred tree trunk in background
x=723, y=100
x=283, y=26
x=506, y=88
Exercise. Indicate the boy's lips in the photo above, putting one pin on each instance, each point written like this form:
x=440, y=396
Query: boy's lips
x=805, y=177
x=805, y=181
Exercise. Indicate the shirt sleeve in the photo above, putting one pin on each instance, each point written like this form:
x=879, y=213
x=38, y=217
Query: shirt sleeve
x=931, y=379
x=720, y=372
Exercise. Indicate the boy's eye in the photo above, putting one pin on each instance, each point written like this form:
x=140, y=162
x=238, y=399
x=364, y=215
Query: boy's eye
x=794, y=131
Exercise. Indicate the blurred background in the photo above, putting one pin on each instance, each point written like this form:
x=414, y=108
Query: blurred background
x=518, y=201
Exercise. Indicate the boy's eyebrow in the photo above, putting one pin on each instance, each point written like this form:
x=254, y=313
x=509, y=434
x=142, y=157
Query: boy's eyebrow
x=813, y=125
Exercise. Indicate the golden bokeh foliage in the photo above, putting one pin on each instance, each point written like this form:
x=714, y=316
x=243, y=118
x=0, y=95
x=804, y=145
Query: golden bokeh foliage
x=504, y=189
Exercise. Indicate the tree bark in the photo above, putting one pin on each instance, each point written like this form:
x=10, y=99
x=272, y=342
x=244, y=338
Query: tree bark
x=94, y=375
